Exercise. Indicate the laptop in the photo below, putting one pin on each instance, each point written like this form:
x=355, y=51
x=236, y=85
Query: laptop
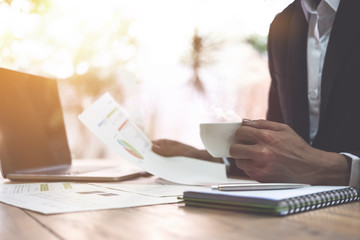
x=33, y=140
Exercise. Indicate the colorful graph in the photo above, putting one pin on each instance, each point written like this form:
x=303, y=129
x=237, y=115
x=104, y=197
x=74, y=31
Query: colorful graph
x=130, y=149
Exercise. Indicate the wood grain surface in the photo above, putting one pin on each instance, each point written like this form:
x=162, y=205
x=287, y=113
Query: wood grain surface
x=175, y=221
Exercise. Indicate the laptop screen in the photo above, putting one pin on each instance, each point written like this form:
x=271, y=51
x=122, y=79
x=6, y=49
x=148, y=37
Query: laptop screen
x=32, y=130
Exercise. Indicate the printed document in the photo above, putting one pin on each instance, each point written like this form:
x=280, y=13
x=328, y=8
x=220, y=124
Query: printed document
x=112, y=125
x=51, y=198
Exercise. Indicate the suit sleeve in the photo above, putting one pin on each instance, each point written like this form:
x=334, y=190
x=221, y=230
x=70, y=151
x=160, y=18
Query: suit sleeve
x=274, y=109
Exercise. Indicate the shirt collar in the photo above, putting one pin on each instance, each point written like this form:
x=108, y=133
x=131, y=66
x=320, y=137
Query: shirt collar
x=309, y=6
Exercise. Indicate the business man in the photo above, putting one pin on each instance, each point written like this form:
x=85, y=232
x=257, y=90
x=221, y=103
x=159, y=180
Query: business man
x=312, y=131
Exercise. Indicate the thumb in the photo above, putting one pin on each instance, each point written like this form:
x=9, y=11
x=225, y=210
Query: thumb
x=263, y=124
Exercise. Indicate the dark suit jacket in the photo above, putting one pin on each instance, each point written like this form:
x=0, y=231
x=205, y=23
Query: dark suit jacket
x=339, y=125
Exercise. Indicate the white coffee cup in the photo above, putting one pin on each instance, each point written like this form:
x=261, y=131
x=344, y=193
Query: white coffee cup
x=218, y=137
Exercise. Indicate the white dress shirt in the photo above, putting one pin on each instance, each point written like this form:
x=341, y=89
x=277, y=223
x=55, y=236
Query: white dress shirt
x=320, y=19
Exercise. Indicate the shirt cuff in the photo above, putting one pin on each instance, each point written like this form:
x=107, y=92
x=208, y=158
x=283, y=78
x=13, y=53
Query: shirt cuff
x=355, y=169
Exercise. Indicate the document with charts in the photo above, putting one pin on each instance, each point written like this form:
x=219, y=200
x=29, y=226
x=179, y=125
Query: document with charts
x=112, y=125
x=64, y=197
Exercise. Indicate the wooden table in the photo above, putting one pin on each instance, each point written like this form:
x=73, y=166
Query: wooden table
x=175, y=221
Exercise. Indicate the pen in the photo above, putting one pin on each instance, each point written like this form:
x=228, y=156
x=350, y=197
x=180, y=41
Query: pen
x=257, y=186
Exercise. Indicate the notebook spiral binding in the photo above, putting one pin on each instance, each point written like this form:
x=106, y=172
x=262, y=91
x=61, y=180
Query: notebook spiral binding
x=320, y=200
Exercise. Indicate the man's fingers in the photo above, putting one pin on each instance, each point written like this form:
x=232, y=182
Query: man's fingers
x=158, y=143
x=163, y=147
x=264, y=124
x=244, y=164
x=246, y=135
x=243, y=151
x=251, y=136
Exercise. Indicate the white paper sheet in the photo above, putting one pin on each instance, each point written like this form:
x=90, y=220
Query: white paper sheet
x=50, y=198
x=112, y=125
x=154, y=190
x=26, y=188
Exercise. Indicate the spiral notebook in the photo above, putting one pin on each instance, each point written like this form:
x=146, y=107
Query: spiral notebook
x=274, y=202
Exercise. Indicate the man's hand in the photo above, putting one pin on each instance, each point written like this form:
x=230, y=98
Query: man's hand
x=273, y=152
x=170, y=148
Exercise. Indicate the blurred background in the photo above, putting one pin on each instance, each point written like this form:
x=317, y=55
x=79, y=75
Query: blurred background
x=171, y=63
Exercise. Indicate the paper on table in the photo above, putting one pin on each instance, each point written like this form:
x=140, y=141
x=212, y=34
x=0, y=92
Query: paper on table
x=50, y=198
x=154, y=190
x=112, y=125
x=10, y=188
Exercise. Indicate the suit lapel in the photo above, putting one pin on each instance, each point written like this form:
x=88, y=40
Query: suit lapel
x=343, y=33
x=297, y=74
